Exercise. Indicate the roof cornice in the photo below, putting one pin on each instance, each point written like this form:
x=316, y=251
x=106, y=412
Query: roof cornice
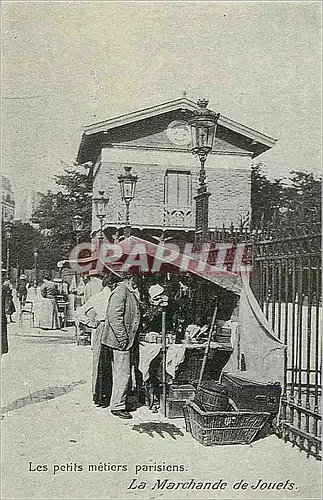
x=181, y=103
x=141, y=114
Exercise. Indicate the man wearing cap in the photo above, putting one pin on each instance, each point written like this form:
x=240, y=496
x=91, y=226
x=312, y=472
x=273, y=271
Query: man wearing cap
x=118, y=337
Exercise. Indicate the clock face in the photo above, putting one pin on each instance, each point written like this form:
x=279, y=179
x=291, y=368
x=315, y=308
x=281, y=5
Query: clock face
x=179, y=133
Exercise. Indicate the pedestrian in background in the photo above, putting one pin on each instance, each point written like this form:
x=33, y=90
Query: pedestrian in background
x=4, y=332
x=22, y=290
x=48, y=312
x=9, y=306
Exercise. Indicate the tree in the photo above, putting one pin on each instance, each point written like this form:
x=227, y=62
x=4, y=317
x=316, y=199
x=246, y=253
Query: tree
x=24, y=240
x=302, y=199
x=55, y=212
x=266, y=197
x=285, y=202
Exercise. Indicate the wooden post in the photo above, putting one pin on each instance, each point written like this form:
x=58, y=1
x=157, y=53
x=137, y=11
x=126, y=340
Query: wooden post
x=207, y=348
x=164, y=359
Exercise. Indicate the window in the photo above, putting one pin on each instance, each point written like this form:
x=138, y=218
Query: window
x=178, y=188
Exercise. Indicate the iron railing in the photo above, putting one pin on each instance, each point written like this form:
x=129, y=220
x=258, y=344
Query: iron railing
x=287, y=281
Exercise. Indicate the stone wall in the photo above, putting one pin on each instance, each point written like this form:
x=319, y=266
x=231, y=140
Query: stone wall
x=228, y=176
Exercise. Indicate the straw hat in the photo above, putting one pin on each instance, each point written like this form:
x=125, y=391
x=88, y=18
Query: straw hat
x=155, y=291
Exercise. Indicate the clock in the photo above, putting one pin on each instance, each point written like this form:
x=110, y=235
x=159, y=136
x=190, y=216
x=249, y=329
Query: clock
x=178, y=132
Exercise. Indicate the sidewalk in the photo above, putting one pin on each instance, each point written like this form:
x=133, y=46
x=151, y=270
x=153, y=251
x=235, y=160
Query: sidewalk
x=49, y=420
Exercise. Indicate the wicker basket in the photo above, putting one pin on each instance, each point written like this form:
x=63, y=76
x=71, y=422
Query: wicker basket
x=213, y=428
x=212, y=396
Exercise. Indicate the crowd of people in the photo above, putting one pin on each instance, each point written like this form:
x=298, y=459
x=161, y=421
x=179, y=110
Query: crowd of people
x=114, y=311
x=112, y=308
x=109, y=306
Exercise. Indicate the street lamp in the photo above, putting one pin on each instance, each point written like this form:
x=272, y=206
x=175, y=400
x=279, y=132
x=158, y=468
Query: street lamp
x=35, y=265
x=128, y=183
x=8, y=228
x=100, y=207
x=77, y=222
x=203, y=127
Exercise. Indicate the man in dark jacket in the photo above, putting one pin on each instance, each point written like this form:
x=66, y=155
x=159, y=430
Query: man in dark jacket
x=4, y=333
x=120, y=329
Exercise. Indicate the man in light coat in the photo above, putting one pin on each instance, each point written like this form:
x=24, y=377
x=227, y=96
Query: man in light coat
x=120, y=329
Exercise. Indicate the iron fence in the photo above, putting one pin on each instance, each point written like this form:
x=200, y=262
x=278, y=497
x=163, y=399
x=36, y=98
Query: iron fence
x=287, y=281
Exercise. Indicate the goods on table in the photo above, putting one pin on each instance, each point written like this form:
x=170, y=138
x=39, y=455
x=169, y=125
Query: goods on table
x=223, y=332
x=156, y=338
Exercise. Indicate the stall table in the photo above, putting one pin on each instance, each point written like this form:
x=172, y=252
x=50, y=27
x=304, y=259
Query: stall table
x=183, y=366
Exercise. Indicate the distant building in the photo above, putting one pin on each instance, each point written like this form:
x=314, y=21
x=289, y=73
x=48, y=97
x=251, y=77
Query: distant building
x=7, y=200
x=29, y=204
x=156, y=143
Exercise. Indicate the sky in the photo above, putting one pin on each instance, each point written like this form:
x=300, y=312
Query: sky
x=68, y=64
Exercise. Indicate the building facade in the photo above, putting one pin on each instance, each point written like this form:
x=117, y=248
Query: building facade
x=7, y=201
x=155, y=142
x=28, y=206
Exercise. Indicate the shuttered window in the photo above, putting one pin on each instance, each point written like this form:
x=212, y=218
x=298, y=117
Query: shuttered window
x=178, y=188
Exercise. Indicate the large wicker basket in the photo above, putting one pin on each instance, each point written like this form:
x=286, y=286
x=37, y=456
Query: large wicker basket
x=222, y=427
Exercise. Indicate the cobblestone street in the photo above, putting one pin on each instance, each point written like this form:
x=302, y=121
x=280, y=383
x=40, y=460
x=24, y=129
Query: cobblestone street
x=57, y=444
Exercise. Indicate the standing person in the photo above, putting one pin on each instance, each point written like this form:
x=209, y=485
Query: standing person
x=4, y=332
x=22, y=290
x=93, y=314
x=118, y=341
x=93, y=285
x=9, y=306
x=48, y=312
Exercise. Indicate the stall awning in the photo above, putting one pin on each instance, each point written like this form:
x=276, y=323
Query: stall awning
x=148, y=258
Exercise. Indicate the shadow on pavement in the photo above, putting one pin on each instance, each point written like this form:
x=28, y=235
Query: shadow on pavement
x=41, y=395
x=159, y=428
x=49, y=340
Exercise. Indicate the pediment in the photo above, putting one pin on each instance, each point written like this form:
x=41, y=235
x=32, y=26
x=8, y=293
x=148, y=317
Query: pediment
x=166, y=127
x=164, y=140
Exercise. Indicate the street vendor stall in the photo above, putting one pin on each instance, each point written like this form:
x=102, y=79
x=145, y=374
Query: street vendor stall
x=196, y=330
x=168, y=353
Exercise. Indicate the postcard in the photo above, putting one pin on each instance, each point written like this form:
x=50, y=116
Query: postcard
x=161, y=257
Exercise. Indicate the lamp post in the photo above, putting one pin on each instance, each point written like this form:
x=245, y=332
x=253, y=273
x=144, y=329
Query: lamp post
x=8, y=228
x=100, y=207
x=36, y=265
x=77, y=222
x=203, y=126
x=128, y=183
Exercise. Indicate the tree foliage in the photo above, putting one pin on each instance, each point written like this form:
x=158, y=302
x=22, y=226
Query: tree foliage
x=55, y=212
x=24, y=240
x=293, y=201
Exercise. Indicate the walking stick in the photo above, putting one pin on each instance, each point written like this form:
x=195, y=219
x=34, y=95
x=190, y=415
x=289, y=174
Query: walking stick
x=164, y=359
x=207, y=348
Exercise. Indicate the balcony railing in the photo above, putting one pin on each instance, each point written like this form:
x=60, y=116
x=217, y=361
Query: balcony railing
x=153, y=216
x=178, y=216
x=171, y=216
